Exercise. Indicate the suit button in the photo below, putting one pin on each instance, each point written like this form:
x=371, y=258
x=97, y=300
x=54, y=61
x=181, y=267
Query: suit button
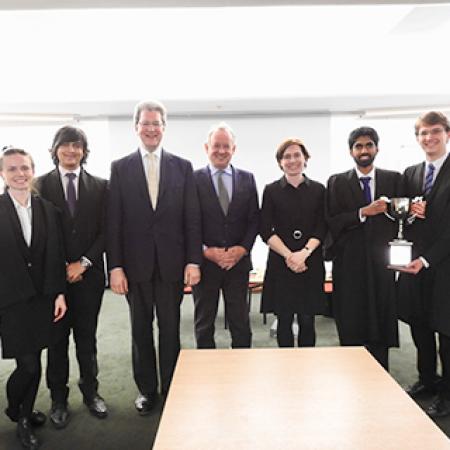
x=29, y=264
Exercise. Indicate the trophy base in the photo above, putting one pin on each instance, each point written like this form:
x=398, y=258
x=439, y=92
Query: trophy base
x=400, y=254
x=397, y=267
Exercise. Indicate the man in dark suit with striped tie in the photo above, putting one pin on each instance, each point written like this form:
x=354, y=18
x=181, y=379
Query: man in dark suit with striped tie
x=81, y=201
x=424, y=301
x=230, y=220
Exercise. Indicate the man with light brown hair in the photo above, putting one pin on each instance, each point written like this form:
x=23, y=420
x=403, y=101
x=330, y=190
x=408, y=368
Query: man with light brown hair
x=424, y=300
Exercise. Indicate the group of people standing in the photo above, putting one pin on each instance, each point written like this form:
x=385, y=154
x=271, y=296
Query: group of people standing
x=165, y=226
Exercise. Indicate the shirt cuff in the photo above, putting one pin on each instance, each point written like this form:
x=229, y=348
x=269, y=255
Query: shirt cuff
x=424, y=262
x=362, y=218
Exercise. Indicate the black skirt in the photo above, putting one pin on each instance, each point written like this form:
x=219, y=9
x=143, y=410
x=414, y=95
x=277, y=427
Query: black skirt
x=25, y=327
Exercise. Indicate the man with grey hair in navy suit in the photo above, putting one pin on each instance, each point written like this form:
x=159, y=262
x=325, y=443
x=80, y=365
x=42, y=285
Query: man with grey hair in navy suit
x=230, y=221
x=153, y=245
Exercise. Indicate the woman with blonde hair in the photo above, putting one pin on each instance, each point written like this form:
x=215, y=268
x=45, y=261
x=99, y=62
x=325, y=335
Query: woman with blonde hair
x=32, y=282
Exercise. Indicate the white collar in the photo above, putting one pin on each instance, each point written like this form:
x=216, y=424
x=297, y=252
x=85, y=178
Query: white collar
x=371, y=174
x=228, y=170
x=156, y=152
x=63, y=172
x=17, y=204
x=437, y=163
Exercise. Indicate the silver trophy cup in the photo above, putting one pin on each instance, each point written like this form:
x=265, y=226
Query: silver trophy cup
x=400, y=249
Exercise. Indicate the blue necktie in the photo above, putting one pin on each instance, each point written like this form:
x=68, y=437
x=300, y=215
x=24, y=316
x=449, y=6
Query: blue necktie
x=366, y=189
x=71, y=194
x=429, y=179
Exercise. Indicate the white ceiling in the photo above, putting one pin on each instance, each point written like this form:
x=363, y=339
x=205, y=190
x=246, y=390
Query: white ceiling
x=245, y=60
x=79, y=4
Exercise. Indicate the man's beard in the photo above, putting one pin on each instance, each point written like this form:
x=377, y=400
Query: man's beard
x=365, y=162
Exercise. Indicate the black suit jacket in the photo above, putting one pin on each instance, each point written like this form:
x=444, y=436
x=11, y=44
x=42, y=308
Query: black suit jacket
x=16, y=283
x=427, y=295
x=240, y=226
x=84, y=233
x=137, y=234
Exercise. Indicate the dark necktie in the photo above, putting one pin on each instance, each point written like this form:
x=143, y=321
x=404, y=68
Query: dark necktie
x=224, y=200
x=71, y=193
x=429, y=179
x=366, y=189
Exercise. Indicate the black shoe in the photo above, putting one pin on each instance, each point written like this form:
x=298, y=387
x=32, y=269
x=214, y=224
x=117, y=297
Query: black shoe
x=439, y=408
x=59, y=415
x=418, y=389
x=25, y=434
x=144, y=404
x=97, y=406
x=37, y=418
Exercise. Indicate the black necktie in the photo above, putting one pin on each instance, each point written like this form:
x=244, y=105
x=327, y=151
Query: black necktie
x=71, y=193
x=366, y=189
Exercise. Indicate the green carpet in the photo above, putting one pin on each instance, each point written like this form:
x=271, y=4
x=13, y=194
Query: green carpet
x=124, y=429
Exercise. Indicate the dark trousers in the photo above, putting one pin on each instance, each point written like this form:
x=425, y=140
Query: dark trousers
x=83, y=300
x=22, y=386
x=234, y=286
x=381, y=353
x=425, y=340
x=306, y=330
x=144, y=299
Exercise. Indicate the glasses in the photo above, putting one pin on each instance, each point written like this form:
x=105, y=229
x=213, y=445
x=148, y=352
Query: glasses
x=154, y=124
x=289, y=156
x=367, y=146
x=432, y=132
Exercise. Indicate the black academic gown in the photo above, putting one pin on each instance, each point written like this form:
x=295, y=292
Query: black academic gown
x=424, y=297
x=363, y=288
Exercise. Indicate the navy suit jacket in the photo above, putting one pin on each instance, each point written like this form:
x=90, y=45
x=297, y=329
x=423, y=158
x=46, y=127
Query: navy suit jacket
x=137, y=234
x=240, y=226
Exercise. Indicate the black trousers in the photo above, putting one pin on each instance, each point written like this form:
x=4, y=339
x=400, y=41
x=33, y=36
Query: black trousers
x=22, y=386
x=306, y=330
x=84, y=300
x=425, y=341
x=234, y=286
x=144, y=299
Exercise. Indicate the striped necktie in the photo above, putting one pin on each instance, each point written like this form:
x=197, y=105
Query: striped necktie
x=429, y=179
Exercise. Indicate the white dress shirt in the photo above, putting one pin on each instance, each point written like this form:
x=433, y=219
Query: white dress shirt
x=25, y=214
x=371, y=174
x=65, y=180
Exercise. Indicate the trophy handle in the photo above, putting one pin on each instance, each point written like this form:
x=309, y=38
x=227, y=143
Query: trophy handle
x=387, y=200
x=410, y=220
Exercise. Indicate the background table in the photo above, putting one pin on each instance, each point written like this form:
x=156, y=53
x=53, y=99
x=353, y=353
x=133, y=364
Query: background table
x=314, y=398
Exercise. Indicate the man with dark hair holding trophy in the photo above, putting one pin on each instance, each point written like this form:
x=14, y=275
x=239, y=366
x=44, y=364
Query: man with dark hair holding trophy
x=423, y=289
x=363, y=286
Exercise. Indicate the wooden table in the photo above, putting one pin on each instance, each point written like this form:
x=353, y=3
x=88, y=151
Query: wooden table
x=280, y=399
